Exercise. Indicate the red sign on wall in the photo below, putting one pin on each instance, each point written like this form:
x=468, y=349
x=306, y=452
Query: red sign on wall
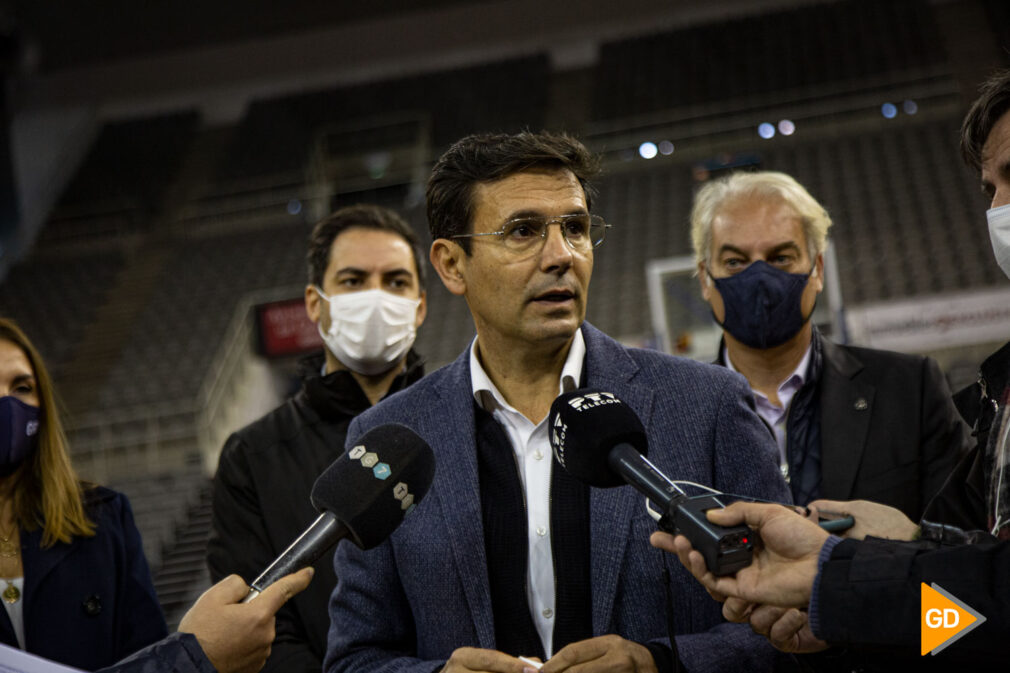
x=284, y=329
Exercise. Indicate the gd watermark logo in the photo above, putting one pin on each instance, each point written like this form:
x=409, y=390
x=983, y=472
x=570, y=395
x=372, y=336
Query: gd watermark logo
x=945, y=619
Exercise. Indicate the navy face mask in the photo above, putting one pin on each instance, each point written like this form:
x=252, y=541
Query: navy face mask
x=19, y=433
x=762, y=304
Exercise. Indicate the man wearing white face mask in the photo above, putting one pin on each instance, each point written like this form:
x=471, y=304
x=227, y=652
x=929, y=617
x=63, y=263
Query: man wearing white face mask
x=366, y=294
x=977, y=495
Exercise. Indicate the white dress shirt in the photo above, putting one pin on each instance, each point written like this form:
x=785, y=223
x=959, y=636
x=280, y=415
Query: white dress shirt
x=777, y=415
x=532, y=450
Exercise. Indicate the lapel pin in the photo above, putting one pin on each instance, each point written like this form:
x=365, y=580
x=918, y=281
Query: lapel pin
x=92, y=605
x=861, y=404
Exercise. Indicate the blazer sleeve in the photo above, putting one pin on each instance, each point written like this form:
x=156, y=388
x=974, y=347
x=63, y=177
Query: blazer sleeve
x=371, y=624
x=745, y=455
x=870, y=592
x=745, y=462
x=239, y=545
x=177, y=653
x=945, y=437
x=138, y=615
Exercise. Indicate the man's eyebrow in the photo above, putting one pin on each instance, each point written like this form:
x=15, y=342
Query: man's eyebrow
x=401, y=271
x=788, y=245
x=726, y=247
x=352, y=270
x=519, y=214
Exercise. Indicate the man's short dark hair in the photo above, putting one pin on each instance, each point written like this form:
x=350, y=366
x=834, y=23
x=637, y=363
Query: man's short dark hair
x=992, y=103
x=360, y=216
x=490, y=157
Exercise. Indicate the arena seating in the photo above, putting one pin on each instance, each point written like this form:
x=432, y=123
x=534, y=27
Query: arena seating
x=829, y=46
x=276, y=134
x=54, y=298
x=177, y=334
x=132, y=162
x=907, y=214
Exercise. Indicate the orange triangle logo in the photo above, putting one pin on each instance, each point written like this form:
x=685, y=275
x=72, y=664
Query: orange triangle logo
x=944, y=619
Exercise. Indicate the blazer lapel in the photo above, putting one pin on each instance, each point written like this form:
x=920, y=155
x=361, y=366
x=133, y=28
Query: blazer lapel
x=846, y=408
x=610, y=368
x=457, y=491
x=38, y=563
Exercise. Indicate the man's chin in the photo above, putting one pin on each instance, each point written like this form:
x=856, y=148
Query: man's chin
x=557, y=329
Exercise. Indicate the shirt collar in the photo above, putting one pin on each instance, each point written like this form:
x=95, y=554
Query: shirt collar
x=791, y=383
x=489, y=397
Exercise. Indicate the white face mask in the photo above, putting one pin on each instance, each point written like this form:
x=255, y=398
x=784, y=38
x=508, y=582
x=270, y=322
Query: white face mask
x=369, y=330
x=999, y=235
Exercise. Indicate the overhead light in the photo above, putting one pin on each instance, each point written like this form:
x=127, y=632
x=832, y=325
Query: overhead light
x=648, y=150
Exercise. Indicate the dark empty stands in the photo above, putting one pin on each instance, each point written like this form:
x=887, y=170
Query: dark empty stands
x=843, y=45
x=131, y=162
x=173, y=344
x=276, y=134
x=998, y=14
x=54, y=299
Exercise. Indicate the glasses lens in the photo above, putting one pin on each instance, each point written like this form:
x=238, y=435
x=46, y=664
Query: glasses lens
x=582, y=232
x=597, y=230
x=576, y=230
x=522, y=233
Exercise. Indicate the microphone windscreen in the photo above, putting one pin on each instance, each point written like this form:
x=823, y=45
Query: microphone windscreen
x=375, y=483
x=585, y=425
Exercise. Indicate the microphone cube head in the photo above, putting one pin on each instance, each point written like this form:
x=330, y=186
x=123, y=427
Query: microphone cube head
x=376, y=483
x=584, y=425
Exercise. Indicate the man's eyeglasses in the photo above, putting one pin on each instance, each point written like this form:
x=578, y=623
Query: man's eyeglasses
x=581, y=232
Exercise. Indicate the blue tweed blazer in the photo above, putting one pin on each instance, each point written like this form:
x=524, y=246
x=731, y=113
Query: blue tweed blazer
x=408, y=603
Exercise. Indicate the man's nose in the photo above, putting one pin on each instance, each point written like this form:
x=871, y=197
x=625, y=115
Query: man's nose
x=556, y=252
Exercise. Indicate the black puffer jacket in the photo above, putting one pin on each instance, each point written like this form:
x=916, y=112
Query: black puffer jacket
x=261, y=499
x=961, y=501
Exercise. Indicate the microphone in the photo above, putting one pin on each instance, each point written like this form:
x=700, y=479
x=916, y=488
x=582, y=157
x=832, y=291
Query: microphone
x=363, y=495
x=600, y=440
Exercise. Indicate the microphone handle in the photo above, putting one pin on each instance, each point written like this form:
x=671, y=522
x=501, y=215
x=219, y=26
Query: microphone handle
x=628, y=462
x=324, y=532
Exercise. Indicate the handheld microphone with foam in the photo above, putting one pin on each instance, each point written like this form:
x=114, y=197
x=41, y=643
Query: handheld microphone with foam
x=601, y=441
x=363, y=495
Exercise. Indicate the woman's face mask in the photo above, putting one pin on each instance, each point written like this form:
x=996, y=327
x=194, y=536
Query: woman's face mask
x=19, y=433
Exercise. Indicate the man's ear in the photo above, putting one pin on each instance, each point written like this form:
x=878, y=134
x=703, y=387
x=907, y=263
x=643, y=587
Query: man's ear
x=819, y=276
x=704, y=281
x=449, y=261
x=312, y=304
x=422, y=309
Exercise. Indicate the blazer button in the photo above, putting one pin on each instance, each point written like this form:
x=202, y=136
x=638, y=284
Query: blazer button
x=92, y=605
x=861, y=404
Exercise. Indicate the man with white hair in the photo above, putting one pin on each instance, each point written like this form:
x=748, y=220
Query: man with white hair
x=850, y=422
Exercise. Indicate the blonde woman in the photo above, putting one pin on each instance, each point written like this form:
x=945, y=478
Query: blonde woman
x=74, y=584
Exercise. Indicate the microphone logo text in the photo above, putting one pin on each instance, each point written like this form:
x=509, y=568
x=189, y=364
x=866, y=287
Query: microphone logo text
x=592, y=400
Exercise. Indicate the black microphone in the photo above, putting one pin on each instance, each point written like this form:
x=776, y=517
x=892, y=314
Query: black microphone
x=601, y=441
x=363, y=495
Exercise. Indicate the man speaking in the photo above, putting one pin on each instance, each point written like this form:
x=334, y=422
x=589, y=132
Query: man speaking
x=509, y=555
